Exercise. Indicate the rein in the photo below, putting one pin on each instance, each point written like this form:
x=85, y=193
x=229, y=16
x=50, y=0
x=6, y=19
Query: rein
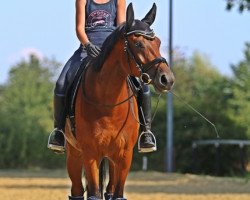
x=155, y=111
x=197, y=112
x=101, y=104
x=143, y=68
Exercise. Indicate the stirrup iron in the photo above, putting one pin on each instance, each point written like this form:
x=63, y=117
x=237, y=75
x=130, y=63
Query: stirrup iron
x=56, y=148
x=150, y=149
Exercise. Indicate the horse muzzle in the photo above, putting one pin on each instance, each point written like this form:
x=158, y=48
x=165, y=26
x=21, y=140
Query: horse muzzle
x=163, y=81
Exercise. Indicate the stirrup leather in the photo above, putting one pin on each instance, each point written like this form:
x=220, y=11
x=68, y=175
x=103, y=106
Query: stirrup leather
x=56, y=148
x=150, y=149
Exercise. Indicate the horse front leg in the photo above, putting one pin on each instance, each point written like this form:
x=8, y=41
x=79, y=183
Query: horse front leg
x=74, y=167
x=110, y=189
x=91, y=169
x=122, y=165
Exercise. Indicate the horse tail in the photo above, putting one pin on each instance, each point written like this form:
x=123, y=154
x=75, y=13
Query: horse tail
x=102, y=177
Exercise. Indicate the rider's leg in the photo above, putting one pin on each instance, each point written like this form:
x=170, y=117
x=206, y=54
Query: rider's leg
x=147, y=141
x=56, y=141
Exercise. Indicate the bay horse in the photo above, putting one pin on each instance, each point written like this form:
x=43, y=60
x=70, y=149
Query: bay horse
x=106, y=110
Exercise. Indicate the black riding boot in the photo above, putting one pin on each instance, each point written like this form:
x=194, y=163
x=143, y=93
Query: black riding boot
x=56, y=141
x=146, y=141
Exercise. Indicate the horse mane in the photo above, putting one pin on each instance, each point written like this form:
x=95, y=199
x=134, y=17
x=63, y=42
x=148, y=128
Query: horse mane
x=107, y=47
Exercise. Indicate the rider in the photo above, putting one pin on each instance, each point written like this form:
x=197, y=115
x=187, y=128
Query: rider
x=95, y=20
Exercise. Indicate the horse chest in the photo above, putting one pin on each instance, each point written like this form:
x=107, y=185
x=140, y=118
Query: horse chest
x=110, y=135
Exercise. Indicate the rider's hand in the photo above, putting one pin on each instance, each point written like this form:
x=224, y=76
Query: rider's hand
x=92, y=50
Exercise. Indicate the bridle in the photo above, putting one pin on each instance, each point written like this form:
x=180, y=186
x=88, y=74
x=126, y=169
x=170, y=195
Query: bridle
x=143, y=68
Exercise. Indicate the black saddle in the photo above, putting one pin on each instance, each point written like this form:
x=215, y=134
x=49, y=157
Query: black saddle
x=72, y=92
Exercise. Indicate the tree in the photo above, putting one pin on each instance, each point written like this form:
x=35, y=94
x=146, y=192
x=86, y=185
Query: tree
x=26, y=114
x=242, y=4
x=240, y=91
x=201, y=85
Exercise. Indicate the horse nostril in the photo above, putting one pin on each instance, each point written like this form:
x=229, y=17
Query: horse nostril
x=164, y=80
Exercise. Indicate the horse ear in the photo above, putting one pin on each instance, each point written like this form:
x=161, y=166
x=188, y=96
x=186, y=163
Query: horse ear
x=150, y=16
x=129, y=16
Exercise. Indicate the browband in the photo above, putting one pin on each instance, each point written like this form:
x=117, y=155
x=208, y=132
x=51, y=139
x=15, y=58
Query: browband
x=146, y=34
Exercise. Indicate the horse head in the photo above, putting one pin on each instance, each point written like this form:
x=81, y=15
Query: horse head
x=142, y=49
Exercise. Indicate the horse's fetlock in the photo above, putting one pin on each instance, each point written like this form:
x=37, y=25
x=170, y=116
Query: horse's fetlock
x=93, y=198
x=76, y=198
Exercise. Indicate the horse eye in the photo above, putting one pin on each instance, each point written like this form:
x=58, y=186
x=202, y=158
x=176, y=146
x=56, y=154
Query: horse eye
x=139, y=45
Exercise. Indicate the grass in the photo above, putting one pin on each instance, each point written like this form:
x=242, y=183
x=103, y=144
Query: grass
x=248, y=175
x=54, y=185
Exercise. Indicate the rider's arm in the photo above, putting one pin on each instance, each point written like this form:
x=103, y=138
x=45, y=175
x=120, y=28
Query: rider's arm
x=80, y=21
x=121, y=11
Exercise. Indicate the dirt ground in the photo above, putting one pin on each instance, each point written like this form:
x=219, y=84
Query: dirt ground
x=54, y=185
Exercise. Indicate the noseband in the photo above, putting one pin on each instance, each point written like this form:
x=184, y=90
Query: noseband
x=143, y=68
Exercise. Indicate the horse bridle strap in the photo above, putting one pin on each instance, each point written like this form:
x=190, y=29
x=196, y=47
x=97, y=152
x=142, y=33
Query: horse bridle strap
x=98, y=103
x=148, y=65
x=143, y=68
x=146, y=34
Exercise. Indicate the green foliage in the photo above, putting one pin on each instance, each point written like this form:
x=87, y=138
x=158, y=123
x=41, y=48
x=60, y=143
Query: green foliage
x=241, y=4
x=240, y=91
x=26, y=115
x=201, y=85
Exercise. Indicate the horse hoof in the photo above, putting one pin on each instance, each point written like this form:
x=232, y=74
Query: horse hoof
x=108, y=196
x=93, y=198
x=76, y=198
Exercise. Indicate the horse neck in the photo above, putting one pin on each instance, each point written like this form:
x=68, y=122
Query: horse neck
x=109, y=84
